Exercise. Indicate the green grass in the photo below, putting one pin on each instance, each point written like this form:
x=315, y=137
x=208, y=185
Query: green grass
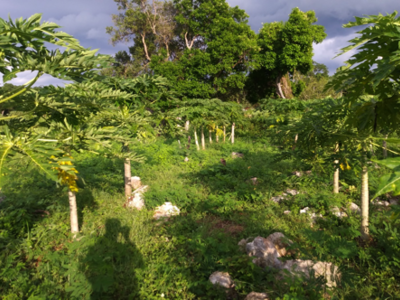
x=124, y=254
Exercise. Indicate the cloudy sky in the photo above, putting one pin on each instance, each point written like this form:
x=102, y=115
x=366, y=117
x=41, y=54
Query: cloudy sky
x=86, y=20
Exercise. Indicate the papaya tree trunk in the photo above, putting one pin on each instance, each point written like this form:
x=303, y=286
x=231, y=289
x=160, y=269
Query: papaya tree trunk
x=336, y=174
x=364, y=204
x=73, y=212
x=203, y=140
x=210, y=136
x=196, y=139
x=233, y=133
x=224, y=133
x=216, y=136
x=127, y=176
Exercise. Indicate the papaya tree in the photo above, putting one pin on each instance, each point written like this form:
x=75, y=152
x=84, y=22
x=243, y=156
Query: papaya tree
x=372, y=75
x=30, y=130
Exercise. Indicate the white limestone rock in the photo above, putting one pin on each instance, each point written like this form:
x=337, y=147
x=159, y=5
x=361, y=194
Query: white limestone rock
x=237, y=155
x=136, y=182
x=268, y=250
x=165, y=211
x=292, y=192
x=303, y=267
x=222, y=279
x=354, y=208
x=256, y=296
x=137, y=198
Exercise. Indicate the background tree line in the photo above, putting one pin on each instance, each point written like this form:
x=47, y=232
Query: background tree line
x=206, y=48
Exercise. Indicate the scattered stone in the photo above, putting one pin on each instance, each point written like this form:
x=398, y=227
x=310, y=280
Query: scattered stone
x=292, y=192
x=137, y=198
x=355, y=208
x=286, y=212
x=267, y=251
x=165, y=211
x=392, y=201
x=309, y=172
x=186, y=159
x=380, y=203
x=303, y=267
x=256, y=296
x=237, y=155
x=222, y=279
x=242, y=244
x=278, y=199
x=304, y=210
x=297, y=173
x=337, y=212
x=254, y=180
x=313, y=216
x=136, y=182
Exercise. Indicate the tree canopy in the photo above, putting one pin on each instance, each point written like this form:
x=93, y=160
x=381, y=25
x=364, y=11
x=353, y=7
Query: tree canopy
x=286, y=47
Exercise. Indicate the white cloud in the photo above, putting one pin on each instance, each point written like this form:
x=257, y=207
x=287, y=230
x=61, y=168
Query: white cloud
x=44, y=80
x=326, y=51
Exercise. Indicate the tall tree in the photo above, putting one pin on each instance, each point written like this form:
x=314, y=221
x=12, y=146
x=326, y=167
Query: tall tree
x=285, y=48
x=150, y=25
x=205, y=50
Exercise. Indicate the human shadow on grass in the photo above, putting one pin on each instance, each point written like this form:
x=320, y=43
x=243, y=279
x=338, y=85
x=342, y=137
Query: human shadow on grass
x=111, y=263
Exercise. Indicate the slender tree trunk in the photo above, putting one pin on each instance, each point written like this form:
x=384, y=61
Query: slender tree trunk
x=384, y=146
x=279, y=87
x=187, y=125
x=233, y=133
x=364, y=204
x=203, y=140
x=216, y=136
x=371, y=149
x=196, y=139
x=224, y=133
x=128, y=175
x=73, y=212
x=295, y=141
x=179, y=142
x=210, y=136
x=336, y=174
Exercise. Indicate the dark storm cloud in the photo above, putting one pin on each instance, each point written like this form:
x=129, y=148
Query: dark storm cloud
x=86, y=20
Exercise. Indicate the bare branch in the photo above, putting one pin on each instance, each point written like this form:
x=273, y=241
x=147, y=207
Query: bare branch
x=187, y=42
x=145, y=46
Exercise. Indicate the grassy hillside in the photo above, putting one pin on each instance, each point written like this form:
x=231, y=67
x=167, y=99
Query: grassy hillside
x=124, y=254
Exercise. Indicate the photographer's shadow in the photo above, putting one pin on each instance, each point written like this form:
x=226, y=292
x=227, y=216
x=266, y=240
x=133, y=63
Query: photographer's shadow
x=111, y=264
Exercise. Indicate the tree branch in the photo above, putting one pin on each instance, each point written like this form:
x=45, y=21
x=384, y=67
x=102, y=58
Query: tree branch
x=187, y=42
x=145, y=47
